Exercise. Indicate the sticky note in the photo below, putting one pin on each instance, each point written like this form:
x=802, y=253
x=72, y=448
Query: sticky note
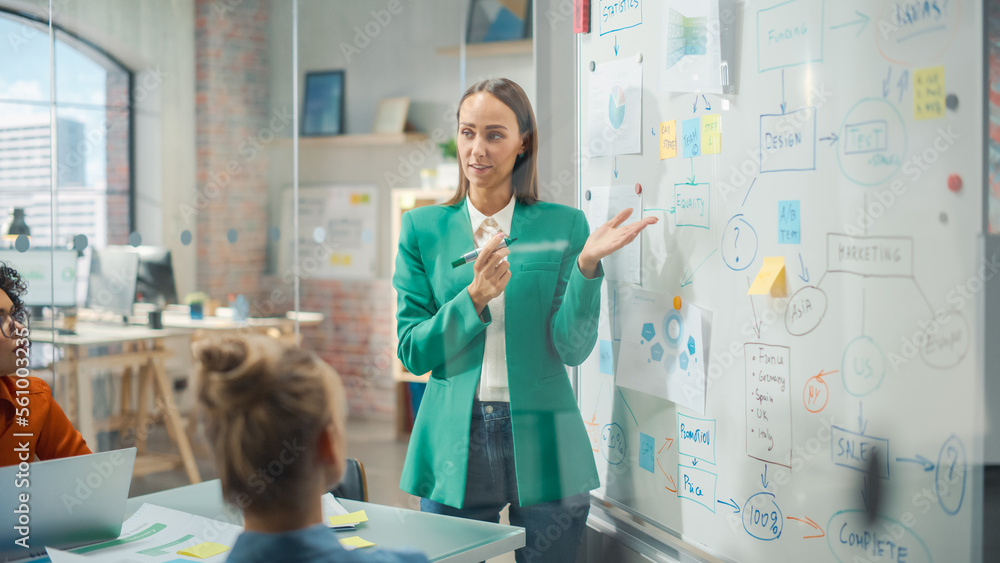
x=691, y=137
x=646, y=446
x=607, y=358
x=928, y=93
x=711, y=134
x=203, y=550
x=771, y=278
x=355, y=542
x=668, y=139
x=789, y=231
x=352, y=518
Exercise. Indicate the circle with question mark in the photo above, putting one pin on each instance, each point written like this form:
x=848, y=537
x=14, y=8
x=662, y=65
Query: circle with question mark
x=739, y=243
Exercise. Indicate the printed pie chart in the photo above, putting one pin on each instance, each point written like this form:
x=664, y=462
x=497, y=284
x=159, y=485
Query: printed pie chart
x=616, y=106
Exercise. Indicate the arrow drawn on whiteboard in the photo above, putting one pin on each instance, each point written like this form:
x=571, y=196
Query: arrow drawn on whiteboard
x=885, y=83
x=748, y=192
x=804, y=276
x=862, y=19
x=671, y=479
x=686, y=279
x=862, y=422
x=708, y=106
x=763, y=477
x=928, y=465
x=731, y=504
x=784, y=104
x=756, y=323
x=808, y=521
x=903, y=84
x=616, y=167
x=616, y=45
x=628, y=407
x=832, y=137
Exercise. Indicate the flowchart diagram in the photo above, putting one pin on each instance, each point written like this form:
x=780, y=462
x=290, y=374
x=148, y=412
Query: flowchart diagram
x=863, y=141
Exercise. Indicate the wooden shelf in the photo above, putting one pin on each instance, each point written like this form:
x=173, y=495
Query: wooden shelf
x=490, y=49
x=367, y=140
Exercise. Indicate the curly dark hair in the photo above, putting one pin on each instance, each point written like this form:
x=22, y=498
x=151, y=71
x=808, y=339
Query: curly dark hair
x=13, y=285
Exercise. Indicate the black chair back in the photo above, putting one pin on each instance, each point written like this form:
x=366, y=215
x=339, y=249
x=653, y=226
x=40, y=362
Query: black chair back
x=354, y=485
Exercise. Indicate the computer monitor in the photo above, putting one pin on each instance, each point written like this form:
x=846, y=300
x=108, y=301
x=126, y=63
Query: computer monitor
x=156, y=276
x=112, y=280
x=36, y=267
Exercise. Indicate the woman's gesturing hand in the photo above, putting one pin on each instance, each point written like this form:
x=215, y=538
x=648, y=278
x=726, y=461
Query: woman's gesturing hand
x=608, y=238
x=492, y=273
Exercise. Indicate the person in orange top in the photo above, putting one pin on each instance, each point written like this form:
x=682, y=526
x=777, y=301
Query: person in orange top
x=32, y=426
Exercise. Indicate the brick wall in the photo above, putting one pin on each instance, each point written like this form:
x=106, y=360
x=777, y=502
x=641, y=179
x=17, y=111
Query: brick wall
x=231, y=108
x=118, y=168
x=233, y=113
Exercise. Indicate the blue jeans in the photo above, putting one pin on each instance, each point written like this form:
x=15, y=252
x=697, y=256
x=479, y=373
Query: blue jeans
x=553, y=530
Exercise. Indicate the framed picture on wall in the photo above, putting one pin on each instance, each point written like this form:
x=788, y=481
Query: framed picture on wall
x=323, y=110
x=498, y=20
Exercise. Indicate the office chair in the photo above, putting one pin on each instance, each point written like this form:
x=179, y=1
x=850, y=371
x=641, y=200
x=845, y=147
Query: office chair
x=354, y=485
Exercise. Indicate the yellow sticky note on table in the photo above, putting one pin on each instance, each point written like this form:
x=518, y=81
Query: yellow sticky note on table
x=356, y=542
x=668, y=139
x=352, y=518
x=711, y=134
x=928, y=93
x=203, y=550
x=771, y=278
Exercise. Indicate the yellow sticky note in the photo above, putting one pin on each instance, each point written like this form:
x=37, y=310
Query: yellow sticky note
x=203, y=550
x=928, y=93
x=711, y=134
x=668, y=139
x=352, y=518
x=771, y=278
x=356, y=542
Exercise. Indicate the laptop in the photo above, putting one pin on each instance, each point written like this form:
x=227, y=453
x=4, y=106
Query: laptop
x=63, y=503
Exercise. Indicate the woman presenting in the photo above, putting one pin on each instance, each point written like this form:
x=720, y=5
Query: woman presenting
x=499, y=423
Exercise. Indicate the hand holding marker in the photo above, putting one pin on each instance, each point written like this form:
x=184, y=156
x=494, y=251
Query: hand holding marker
x=473, y=254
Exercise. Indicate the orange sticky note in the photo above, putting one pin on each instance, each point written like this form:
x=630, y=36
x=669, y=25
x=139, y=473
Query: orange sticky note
x=203, y=550
x=771, y=278
x=668, y=139
x=711, y=134
x=355, y=542
x=352, y=518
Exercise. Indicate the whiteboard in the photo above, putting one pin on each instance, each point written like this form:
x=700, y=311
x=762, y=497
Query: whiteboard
x=840, y=152
x=337, y=233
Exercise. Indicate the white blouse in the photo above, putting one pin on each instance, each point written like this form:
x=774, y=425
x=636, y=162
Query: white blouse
x=493, y=381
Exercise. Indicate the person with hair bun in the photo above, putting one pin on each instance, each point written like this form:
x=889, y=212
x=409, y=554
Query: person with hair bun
x=498, y=424
x=26, y=404
x=264, y=403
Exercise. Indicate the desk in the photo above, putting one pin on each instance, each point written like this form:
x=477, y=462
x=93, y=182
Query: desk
x=140, y=346
x=441, y=538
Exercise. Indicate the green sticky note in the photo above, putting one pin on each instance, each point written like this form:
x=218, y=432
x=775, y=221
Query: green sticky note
x=203, y=550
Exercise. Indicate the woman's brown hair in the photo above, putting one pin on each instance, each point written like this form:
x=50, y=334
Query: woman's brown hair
x=524, y=180
x=265, y=406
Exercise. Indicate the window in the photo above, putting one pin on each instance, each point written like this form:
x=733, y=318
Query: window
x=93, y=195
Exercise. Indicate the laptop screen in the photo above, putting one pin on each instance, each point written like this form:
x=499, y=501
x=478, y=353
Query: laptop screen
x=63, y=502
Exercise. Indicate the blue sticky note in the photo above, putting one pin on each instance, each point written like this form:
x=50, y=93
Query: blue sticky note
x=691, y=137
x=646, y=447
x=607, y=358
x=789, y=231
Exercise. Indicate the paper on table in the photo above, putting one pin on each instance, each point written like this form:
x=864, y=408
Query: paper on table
x=204, y=550
x=615, y=111
x=771, y=278
x=355, y=542
x=662, y=350
x=331, y=506
x=352, y=518
x=605, y=203
x=154, y=534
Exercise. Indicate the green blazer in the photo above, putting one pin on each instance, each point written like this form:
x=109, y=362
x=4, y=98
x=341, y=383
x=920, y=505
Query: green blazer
x=551, y=315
